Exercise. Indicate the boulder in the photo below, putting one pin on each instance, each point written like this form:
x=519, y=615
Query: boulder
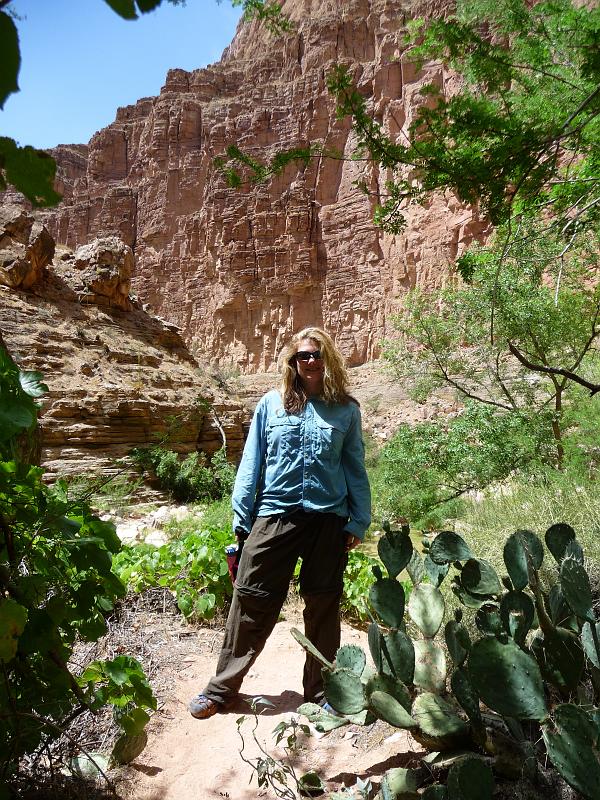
x=26, y=248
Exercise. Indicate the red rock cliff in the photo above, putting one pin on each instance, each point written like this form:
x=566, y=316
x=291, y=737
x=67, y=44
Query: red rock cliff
x=238, y=270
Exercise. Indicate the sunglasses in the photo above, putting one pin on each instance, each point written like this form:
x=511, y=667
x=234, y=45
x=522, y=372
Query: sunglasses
x=306, y=355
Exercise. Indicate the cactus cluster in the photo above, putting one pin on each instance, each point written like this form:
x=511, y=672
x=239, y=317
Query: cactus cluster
x=507, y=702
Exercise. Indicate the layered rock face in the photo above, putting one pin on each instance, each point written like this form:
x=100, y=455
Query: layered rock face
x=239, y=270
x=118, y=377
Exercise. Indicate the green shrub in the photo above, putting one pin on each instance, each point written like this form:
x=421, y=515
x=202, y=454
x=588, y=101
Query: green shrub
x=189, y=479
x=425, y=470
x=102, y=493
x=192, y=566
x=56, y=586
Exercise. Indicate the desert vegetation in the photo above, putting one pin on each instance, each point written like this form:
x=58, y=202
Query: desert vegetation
x=493, y=664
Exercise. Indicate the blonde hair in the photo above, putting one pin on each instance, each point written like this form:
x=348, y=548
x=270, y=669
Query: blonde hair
x=335, y=377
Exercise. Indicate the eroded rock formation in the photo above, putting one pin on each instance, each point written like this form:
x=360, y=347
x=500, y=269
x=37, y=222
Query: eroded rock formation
x=238, y=270
x=118, y=376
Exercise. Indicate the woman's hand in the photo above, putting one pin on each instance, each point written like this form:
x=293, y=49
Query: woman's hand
x=351, y=542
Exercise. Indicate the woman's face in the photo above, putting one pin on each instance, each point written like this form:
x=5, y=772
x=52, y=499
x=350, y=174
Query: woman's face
x=310, y=366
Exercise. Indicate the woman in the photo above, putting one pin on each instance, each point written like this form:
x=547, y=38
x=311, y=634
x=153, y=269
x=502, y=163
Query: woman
x=301, y=491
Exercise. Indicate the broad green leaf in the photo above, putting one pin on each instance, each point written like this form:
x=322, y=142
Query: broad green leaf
x=127, y=748
x=14, y=417
x=10, y=58
x=13, y=617
x=124, y=8
x=31, y=383
x=30, y=171
x=134, y=722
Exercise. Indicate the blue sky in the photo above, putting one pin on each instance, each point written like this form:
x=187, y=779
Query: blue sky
x=80, y=61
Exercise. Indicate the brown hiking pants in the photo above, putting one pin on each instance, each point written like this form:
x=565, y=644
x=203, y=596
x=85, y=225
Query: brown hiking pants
x=266, y=568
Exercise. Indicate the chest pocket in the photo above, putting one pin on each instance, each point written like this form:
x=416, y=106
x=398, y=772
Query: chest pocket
x=283, y=436
x=330, y=440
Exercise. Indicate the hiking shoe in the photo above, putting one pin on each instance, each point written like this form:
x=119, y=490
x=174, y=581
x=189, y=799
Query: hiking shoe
x=202, y=707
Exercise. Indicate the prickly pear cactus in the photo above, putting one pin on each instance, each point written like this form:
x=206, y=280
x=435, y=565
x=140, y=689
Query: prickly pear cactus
x=387, y=598
x=457, y=639
x=400, y=783
x=448, y=547
x=478, y=577
x=570, y=738
x=507, y=679
x=523, y=552
x=439, y=725
x=389, y=709
x=345, y=691
x=532, y=644
x=395, y=550
x=517, y=613
x=470, y=779
x=557, y=538
x=430, y=666
x=391, y=686
x=351, y=657
x=575, y=586
x=426, y=609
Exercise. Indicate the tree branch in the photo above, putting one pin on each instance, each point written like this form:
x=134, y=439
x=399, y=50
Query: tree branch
x=593, y=387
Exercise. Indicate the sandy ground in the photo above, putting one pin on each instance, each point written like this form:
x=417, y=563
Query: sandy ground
x=189, y=759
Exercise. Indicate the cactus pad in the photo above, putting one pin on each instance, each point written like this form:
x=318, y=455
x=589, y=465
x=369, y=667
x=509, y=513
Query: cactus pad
x=570, y=742
x=587, y=639
x=310, y=648
x=448, y=547
x=466, y=598
x=470, y=779
x=458, y=641
x=560, y=612
x=575, y=587
x=390, y=710
x=438, y=721
x=523, y=551
x=479, y=577
x=426, y=609
x=415, y=568
x=435, y=572
x=488, y=620
x=430, y=666
x=351, y=657
x=557, y=538
x=395, y=550
x=344, y=691
x=465, y=695
x=560, y=656
x=321, y=719
x=374, y=637
x=575, y=550
x=391, y=686
x=398, y=656
x=517, y=613
x=400, y=783
x=387, y=598
x=507, y=679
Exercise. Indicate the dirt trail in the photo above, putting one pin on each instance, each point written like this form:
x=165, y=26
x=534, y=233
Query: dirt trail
x=189, y=759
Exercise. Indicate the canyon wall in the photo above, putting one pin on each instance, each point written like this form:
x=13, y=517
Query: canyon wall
x=238, y=270
x=118, y=377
